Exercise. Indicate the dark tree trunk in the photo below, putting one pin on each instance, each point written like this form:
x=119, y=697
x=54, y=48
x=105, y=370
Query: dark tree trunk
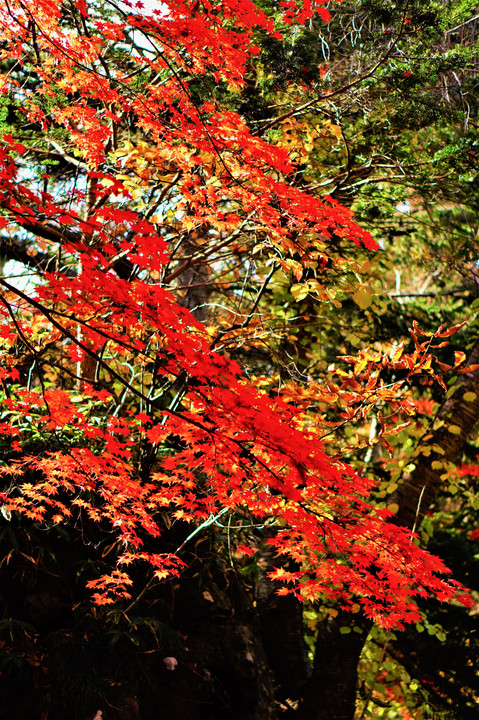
x=281, y=622
x=330, y=693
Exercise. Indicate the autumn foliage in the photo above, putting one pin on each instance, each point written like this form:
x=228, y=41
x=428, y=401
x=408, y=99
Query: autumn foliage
x=147, y=421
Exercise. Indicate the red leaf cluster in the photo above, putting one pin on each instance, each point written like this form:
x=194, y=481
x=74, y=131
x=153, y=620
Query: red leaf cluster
x=227, y=446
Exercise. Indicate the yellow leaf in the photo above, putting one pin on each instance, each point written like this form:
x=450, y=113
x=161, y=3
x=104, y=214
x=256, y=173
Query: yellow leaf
x=336, y=131
x=469, y=396
x=299, y=291
x=363, y=297
x=454, y=429
x=359, y=366
x=398, y=351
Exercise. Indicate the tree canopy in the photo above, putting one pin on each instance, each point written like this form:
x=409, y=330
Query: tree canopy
x=239, y=262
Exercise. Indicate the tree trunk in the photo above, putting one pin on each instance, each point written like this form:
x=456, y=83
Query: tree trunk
x=330, y=693
x=281, y=622
x=195, y=285
x=454, y=422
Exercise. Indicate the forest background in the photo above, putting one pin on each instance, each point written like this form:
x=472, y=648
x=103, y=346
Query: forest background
x=239, y=359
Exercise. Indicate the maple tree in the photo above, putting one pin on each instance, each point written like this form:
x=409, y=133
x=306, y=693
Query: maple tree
x=128, y=410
